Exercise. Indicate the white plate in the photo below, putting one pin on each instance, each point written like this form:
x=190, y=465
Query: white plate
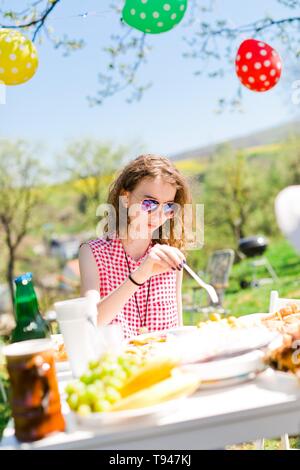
x=229, y=382
x=228, y=368
x=214, y=342
x=117, y=417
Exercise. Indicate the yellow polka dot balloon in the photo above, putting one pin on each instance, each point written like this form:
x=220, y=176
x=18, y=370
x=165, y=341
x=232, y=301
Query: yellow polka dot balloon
x=18, y=57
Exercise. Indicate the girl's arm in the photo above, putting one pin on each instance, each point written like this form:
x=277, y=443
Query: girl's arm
x=89, y=277
x=179, y=296
x=109, y=306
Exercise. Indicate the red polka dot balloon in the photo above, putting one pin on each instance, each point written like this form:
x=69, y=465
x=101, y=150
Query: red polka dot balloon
x=258, y=65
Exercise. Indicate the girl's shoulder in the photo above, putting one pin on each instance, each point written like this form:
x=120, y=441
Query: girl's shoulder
x=100, y=243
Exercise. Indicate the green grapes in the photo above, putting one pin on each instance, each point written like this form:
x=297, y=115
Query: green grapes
x=99, y=388
x=101, y=406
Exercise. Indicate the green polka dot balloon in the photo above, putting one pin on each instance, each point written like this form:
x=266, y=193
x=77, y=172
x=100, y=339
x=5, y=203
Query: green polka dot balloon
x=154, y=16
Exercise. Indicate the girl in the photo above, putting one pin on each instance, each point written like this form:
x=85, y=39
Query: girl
x=139, y=277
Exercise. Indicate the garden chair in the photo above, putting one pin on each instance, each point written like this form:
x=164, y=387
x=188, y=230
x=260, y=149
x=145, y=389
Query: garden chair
x=276, y=303
x=217, y=274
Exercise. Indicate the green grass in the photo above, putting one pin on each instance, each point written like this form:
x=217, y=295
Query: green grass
x=238, y=302
x=270, y=444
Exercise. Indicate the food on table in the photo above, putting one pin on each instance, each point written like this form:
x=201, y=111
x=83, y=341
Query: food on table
x=221, y=338
x=178, y=385
x=128, y=381
x=146, y=339
x=60, y=353
x=152, y=372
x=100, y=386
x=286, y=358
x=285, y=321
x=284, y=312
x=216, y=319
x=279, y=321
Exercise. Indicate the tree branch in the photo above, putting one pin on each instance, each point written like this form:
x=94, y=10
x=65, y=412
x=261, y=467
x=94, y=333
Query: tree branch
x=255, y=27
x=39, y=21
x=128, y=52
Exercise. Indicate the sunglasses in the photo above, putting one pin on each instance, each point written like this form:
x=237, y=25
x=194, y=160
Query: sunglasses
x=151, y=205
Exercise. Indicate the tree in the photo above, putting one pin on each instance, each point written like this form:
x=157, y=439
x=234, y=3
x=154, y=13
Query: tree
x=20, y=175
x=91, y=165
x=208, y=41
x=289, y=162
x=230, y=192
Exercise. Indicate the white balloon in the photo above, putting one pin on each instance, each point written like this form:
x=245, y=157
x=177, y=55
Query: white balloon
x=287, y=211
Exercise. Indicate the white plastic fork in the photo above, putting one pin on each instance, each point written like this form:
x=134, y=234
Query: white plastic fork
x=209, y=289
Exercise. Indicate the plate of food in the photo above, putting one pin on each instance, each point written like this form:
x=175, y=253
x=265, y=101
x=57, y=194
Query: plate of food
x=277, y=321
x=116, y=389
x=283, y=353
x=95, y=420
x=285, y=356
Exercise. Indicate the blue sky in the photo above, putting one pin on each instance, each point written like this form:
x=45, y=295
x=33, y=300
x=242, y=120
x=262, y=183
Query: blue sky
x=176, y=114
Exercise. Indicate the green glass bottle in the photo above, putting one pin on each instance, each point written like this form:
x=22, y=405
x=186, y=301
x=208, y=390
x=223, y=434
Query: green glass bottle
x=29, y=322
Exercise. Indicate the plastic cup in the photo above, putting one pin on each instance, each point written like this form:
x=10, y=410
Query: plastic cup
x=34, y=397
x=72, y=316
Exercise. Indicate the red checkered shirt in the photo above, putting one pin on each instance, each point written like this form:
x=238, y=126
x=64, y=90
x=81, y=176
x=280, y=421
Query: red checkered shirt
x=162, y=312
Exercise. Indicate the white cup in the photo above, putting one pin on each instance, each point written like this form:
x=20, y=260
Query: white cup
x=72, y=309
x=77, y=333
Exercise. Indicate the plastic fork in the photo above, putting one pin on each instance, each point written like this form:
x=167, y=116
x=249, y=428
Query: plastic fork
x=209, y=289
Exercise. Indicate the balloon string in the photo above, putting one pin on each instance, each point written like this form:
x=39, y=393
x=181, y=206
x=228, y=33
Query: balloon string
x=83, y=15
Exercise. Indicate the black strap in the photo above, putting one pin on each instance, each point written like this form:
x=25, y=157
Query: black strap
x=137, y=305
x=134, y=282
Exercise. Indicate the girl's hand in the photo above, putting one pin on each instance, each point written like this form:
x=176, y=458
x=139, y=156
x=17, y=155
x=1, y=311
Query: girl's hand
x=160, y=259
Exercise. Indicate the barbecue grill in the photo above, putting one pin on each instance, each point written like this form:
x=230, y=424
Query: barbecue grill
x=253, y=246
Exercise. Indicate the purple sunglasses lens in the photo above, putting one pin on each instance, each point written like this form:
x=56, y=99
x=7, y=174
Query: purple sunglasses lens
x=149, y=205
x=169, y=208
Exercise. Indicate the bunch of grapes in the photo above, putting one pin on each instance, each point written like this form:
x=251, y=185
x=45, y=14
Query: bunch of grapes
x=100, y=387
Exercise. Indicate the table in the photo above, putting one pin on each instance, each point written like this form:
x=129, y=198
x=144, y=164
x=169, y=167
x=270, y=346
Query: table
x=268, y=407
